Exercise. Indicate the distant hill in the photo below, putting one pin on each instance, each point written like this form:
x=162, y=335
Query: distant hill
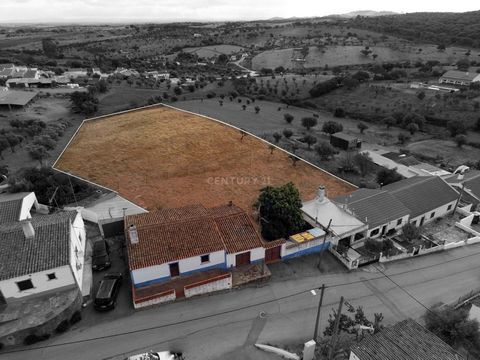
x=438, y=28
x=368, y=13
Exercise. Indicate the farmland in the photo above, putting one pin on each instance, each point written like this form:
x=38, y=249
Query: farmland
x=162, y=157
x=351, y=55
x=213, y=50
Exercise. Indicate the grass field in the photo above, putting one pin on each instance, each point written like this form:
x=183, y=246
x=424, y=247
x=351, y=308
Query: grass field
x=350, y=55
x=213, y=50
x=162, y=157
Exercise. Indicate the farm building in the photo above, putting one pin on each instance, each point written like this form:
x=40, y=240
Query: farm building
x=41, y=254
x=192, y=246
x=16, y=99
x=468, y=184
x=345, y=141
x=184, y=159
x=461, y=78
x=406, y=340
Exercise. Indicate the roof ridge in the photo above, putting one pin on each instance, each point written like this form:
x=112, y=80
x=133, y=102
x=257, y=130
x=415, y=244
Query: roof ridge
x=422, y=179
x=377, y=192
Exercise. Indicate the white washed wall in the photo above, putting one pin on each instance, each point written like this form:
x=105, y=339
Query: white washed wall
x=40, y=281
x=439, y=212
x=157, y=300
x=150, y=273
x=256, y=254
x=222, y=284
x=77, y=241
x=27, y=204
x=194, y=263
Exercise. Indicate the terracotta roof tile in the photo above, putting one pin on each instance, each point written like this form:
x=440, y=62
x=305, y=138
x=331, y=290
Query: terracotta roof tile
x=172, y=234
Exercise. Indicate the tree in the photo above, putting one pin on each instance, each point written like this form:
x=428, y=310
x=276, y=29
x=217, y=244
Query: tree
x=13, y=140
x=325, y=150
x=287, y=133
x=350, y=320
x=403, y=138
x=310, y=140
x=332, y=127
x=362, y=127
x=280, y=211
x=84, y=102
x=49, y=47
x=456, y=127
x=364, y=163
x=277, y=136
x=441, y=47
x=410, y=232
x=412, y=128
x=455, y=328
x=288, y=118
x=387, y=176
x=339, y=112
x=389, y=121
x=460, y=140
x=4, y=145
x=421, y=95
x=38, y=152
x=309, y=122
x=257, y=109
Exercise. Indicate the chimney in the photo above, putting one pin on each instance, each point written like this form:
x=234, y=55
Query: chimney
x=28, y=230
x=133, y=234
x=460, y=176
x=320, y=194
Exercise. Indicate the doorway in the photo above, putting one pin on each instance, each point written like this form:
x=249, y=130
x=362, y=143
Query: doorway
x=174, y=269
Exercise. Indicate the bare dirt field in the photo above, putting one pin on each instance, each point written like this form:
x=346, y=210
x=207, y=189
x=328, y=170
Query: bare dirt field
x=447, y=150
x=162, y=157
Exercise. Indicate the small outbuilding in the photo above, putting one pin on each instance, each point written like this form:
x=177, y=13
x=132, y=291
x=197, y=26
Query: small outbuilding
x=345, y=141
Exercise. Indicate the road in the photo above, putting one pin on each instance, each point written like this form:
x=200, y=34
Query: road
x=224, y=326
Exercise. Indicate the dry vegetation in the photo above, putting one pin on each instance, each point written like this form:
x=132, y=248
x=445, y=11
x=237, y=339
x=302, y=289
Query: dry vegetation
x=162, y=157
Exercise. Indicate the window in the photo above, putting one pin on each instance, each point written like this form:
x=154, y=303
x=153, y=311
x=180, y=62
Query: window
x=205, y=258
x=374, y=232
x=51, y=276
x=25, y=285
x=449, y=207
x=399, y=222
x=432, y=215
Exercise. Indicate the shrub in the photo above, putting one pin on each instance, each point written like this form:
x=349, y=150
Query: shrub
x=339, y=112
x=76, y=317
x=287, y=133
x=332, y=127
x=62, y=326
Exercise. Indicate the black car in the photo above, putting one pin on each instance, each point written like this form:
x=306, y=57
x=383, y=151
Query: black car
x=107, y=292
x=100, y=257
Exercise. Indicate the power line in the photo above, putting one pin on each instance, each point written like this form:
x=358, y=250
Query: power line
x=249, y=306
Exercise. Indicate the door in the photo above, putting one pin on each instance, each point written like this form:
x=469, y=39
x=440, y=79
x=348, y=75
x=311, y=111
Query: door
x=273, y=254
x=422, y=220
x=242, y=259
x=384, y=229
x=174, y=269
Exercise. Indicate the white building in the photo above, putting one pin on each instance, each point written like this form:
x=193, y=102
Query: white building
x=166, y=244
x=41, y=254
x=461, y=78
x=426, y=197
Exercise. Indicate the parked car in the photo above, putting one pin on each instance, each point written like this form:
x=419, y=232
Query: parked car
x=162, y=355
x=100, y=257
x=106, y=297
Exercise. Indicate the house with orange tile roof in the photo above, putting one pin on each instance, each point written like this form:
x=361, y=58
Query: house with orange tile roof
x=192, y=246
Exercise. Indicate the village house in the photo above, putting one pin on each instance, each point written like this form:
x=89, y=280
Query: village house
x=345, y=141
x=426, y=197
x=468, y=184
x=380, y=210
x=406, y=340
x=41, y=254
x=342, y=225
x=459, y=78
x=174, y=253
x=17, y=207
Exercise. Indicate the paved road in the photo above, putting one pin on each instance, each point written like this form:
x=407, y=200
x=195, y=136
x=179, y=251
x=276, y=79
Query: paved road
x=193, y=327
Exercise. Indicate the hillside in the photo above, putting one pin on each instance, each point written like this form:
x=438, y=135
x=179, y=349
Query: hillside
x=439, y=28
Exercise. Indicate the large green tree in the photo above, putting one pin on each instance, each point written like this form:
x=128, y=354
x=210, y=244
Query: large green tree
x=280, y=211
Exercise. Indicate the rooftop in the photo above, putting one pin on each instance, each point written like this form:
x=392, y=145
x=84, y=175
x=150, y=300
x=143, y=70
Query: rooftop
x=172, y=234
x=406, y=340
x=344, y=136
x=421, y=194
x=11, y=206
x=375, y=207
x=48, y=249
x=19, y=98
x=161, y=157
x=460, y=75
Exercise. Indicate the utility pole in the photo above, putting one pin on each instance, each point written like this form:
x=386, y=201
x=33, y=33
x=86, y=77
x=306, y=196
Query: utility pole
x=333, y=340
x=323, y=243
x=459, y=198
x=315, y=333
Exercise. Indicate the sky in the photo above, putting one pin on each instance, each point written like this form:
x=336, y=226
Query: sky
x=65, y=11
